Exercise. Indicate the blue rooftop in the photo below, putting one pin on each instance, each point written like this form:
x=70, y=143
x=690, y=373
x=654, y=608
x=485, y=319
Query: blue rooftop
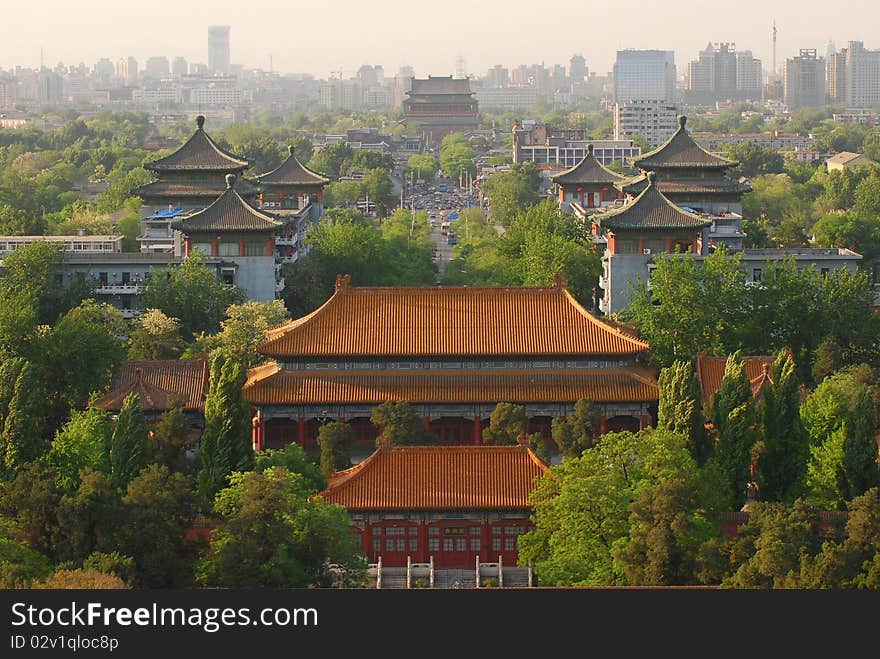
x=170, y=213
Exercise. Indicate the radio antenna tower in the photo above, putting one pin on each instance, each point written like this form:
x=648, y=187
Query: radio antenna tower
x=774, y=48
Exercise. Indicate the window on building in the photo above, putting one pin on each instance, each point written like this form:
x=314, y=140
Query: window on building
x=126, y=277
x=377, y=545
x=228, y=249
x=627, y=246
x=756, y=274
x=496, y=544
x=253, y=248
x=227, y=276
x=448, y=544
x=510, y=543
x=433, y=544
x=475, y=544
x=413, y=545
x=204, y=248
x=461, y=544
x=102, y=277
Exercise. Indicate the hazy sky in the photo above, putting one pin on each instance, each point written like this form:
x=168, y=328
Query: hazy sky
x=320, y=36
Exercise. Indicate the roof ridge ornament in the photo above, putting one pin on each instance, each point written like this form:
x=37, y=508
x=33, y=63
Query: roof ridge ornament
x=200, y=121
x=560, y=280
x=682, y=120
x=652, y=178
x=230, y=181
x=590, y=149
x=342, y=282
x=291, y=149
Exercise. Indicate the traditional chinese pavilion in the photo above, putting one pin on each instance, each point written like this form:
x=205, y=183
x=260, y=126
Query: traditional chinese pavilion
x=698, y=181
x=243, y=238
x=291, y=185
x=161, y=385
x=194, y=175
x=710, y=373
x=451, y=352
x=439, y=106
x=650, y=224
x=452, y=503
x=589, y=184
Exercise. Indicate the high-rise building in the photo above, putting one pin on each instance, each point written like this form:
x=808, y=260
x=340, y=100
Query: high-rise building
x=179, y=67
x=127, y=70
x=402, y=84
x=835, y=77
x=655, y=121
x=157, y=68
x=644, y=75
x=862, y=75
x=497, y=77
x=804, y=80
x=218, y=49
x=723, y=73
x=577, y=68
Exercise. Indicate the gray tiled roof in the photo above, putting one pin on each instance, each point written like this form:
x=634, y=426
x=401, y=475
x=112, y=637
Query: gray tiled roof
x=292, y=172
x=228, y=213
x=650, y=210
x=199, y=152
x=588, y=170
x=681, y=151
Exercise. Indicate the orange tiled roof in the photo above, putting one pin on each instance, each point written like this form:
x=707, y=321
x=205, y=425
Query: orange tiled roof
x=710, y=372
x=159, y=383
x=271, y=385
x=438, y=478
x=447, y=321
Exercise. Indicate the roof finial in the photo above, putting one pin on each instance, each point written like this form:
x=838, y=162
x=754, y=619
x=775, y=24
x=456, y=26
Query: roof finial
x=560, y=280
x=230, y=181
x=682, y=120
x=342, y=282
x=652, y=178
x=589, y=149
x=291, y=149
x=200, y=121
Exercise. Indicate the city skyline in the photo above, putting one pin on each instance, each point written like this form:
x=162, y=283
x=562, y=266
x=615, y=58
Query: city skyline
x=303, y=40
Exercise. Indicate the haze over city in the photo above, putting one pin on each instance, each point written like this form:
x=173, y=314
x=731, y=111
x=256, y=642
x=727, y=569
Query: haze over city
x=319, y=39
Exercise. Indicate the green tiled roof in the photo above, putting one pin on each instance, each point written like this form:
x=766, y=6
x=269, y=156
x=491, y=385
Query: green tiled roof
x=650, y=210
x=292, y=172
x=228, y=213
x=199, y=152
x=681, y=151
x=588, y=170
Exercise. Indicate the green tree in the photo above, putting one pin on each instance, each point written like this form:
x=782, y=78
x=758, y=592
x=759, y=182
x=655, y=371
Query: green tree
x=191, y=293
x=158, y=511
x=84, y=441
x=509, y=193
x=690, y=306
x=679, y=409
x=31, y=500
x=860, y=469
x=785, y=449
x=271, y=534
x=296, y=461
x=335, y=439
x=424, y=165
x=155, y=336
x=226, y=442
x=89, y=518
x=582, y=506
x=168, y=438
x=733, y=416
x=20, y=565
x=242, y=331
x=128, y=443
x=577, y=432
x=22, y=437
x=400, y=425
x=767, y=550
x=507, y=425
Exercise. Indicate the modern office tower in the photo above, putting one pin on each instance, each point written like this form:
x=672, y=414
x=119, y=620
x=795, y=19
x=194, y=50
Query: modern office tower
x=577, y=68
x=179, y=67
x=862, y=75
x=644, y=75
x=804, y=80
x=218, y=49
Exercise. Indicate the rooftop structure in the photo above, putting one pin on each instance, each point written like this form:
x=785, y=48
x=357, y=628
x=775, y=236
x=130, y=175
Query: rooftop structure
x=440, y=105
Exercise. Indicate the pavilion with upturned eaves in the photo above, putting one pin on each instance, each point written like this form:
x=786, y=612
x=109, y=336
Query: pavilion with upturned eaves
x=453, y=353
x=649, y=225
x=698, y=181
x=589, y=184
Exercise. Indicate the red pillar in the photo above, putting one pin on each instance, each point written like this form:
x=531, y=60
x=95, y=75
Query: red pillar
x=214, y=250
x=478, y=431
x=257, y=434
x=644, y=421
x=270, y=246
x=301, y=431
x=241, y=246
x=485, y=541
x=186, y=247
x=603, y=424
x=641, y=245
x=669, y=245
x=367, y=539
x=422, y=555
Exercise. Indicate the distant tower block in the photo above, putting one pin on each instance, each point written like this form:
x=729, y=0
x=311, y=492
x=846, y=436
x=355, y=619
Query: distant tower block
x=460, y=71
x=774, y=48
